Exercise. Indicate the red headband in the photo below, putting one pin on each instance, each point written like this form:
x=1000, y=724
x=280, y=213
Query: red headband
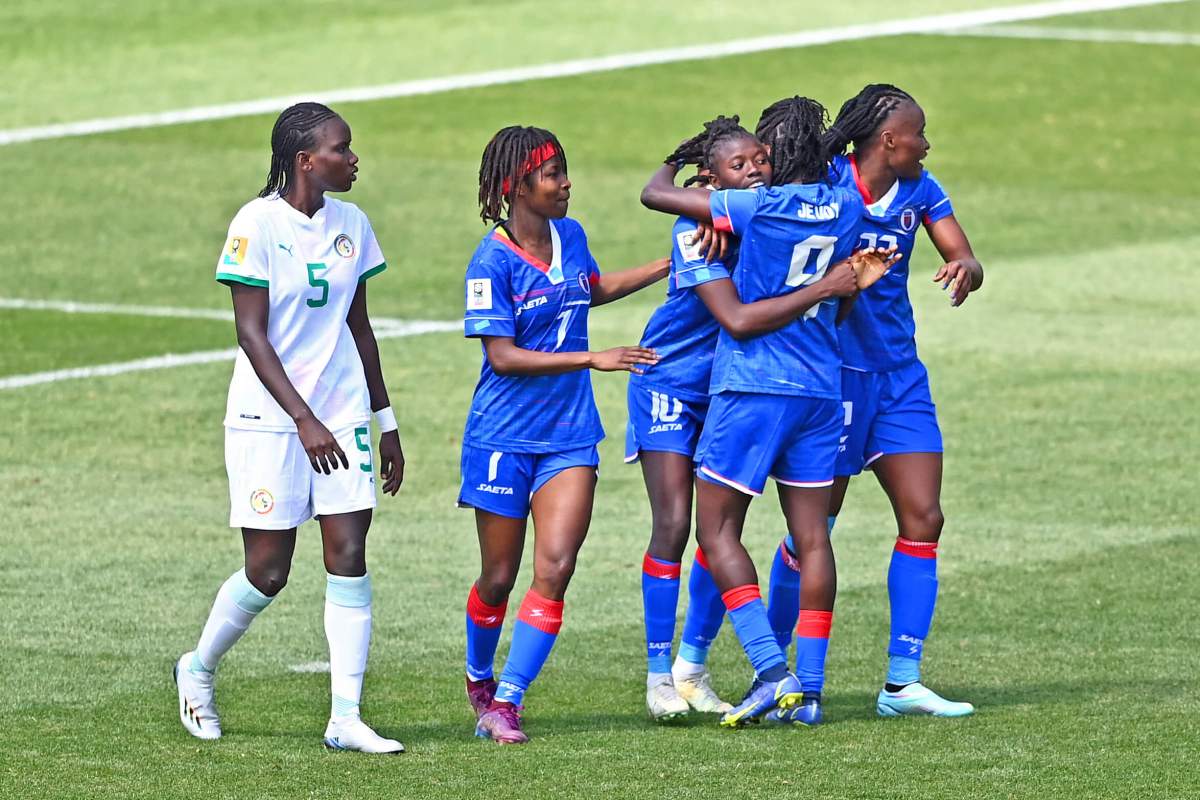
x=540, y=155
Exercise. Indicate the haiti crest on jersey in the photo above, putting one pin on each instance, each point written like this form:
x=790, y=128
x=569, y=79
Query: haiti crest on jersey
x=908, y=220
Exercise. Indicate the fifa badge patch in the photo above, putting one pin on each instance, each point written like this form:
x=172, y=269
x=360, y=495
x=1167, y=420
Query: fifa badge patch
x=235, y=254
x=479, y=294
x=689, y=245
x=908, y=220
x=344, y=245
x=262, y=501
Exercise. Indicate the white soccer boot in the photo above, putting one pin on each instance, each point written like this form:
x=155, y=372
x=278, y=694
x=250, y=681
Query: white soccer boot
x=197, y=711
x=696, y=689
x=662, y=701
x=918, y=700
x=351, y=733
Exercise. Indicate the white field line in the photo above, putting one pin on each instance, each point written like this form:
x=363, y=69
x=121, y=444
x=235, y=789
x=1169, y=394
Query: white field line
x=221, y=315
x=392, y=331
x=270, y=105
x=1080, y=35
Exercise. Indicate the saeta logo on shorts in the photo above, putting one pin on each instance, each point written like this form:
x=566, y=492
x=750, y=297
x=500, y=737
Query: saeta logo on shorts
x=489, y=489
x=262, y=501
x=664, y=411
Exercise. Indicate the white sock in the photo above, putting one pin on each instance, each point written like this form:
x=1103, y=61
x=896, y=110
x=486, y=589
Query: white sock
x=348, y=629
x=236, y=606
x=686, y=669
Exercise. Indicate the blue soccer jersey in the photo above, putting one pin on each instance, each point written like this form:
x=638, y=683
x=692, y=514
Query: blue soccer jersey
x=682, y=330
x=879, y=335
x=542, y=307
x=790, y=235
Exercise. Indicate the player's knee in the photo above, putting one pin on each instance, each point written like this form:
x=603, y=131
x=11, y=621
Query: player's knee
x=669, y=534
x=268, y=578
x=346, y=558
x=555, y=573
x=924, y=524
x=496, y=583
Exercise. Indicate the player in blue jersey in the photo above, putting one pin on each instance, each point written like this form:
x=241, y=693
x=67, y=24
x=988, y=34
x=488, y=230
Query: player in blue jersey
x=531, y=433
x=667, y=405
x=890, y=423
x=775, y=408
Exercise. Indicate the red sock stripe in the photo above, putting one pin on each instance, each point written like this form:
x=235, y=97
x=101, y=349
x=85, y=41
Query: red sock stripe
x=701, y=559
x=790, y=560
x=916, y=549
x=543, y=614
x=660, y=569
x=481, y=613
x=814, y=624
x=739, y=596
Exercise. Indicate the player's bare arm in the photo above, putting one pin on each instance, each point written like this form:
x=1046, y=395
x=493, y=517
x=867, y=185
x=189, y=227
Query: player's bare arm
x=615, y=285
x=250, y=308
x=508, y=359
x=391, y=454
x=746, y=320
x=661, y=194
x=962, y=273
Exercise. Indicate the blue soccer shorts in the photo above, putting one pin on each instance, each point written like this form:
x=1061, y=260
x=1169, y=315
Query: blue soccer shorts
x=503, y=483
x=886, y=413
x=748, y=438
x=660, y=421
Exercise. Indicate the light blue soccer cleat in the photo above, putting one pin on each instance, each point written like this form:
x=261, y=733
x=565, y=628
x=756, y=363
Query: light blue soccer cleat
x=762, y=697
x=808, y=712
x=917, y=700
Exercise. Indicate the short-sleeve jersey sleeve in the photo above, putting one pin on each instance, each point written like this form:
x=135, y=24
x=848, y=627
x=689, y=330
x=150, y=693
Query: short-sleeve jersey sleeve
x=732, y=209
x=488, y=299
x=372, y=261
x=244, y=259
x=687, y=263
x=937, y=202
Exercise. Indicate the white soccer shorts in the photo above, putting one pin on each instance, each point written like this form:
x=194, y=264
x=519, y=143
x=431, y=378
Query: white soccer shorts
x=272, y=485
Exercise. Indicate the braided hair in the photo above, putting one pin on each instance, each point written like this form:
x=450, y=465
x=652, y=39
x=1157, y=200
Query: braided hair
x=862, y=115
x=794, y=129
x=700, y=148
x=509, y=158
x=294, y=131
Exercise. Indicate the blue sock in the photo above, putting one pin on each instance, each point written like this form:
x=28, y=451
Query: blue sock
x=912, y=593
x=538, y=623
x=660, y=597
x=483, y=634
x=783, y=589
x=749, y=619
x=783, y=593
x=812, y=644
x=705, y=613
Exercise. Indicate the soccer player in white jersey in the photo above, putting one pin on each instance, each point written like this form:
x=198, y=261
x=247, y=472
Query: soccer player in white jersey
x=297, y=422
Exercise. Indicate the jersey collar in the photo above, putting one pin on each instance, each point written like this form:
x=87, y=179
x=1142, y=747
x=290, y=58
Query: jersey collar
x=875, y=207
x=553, y=270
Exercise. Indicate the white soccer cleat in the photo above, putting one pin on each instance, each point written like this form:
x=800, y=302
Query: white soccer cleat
x=354, y=734
x=663, y=702
x=197, y=711
x=918, y=700
x=697, y=691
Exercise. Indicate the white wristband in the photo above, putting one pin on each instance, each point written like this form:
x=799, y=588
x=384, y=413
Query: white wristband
x=385, y=418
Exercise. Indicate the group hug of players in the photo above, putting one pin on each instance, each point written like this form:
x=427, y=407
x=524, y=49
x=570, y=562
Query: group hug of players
x=784, y=349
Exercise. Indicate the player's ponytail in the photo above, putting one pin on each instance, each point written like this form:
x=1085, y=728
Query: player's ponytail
x=292, y=133
x=794, y=129
x=699, y=149
x=861, y=115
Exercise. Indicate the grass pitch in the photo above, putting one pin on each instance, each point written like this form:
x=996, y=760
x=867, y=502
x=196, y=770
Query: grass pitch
x=1066, y=390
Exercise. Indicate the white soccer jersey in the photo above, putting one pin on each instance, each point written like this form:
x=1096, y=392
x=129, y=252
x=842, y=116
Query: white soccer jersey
x=311, y=269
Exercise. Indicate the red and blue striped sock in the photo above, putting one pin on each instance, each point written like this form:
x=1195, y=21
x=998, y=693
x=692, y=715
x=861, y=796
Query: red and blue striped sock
x=538, y=623
x=912, y=594
x=483, y=634
x=749, y=618
x=705, y=613
x=812, y=645
x=660, y=596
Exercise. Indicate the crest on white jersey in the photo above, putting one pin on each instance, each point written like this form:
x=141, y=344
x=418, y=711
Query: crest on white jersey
x=344, y=245
x=479, y=294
